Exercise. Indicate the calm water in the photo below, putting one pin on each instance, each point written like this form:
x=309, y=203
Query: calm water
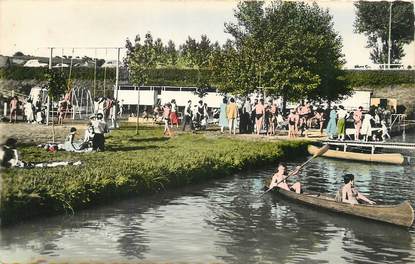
x=226, y=221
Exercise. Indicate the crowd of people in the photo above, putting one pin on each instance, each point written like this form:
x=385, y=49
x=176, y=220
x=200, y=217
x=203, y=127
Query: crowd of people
x=30, y=109
x=268, y=118
x=34, y=110
x=258, y=116
x=371, y=125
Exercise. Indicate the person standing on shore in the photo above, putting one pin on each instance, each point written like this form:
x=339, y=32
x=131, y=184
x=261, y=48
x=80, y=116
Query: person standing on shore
x=62, y=109
x=232, y=114
x=246, y=117
x=173, y=114
x=367, y=126
x=28, y=109
x=273, y=120
x=320, y=116
x=223, y=120
x=292, y=124
x=331, y=126
x=109, y=103
x=357, y=117
x=100, y=128
x=253, y=116
x=341, y=122
x=13, y=108
x=259, y=115
x=205, y=115
x=166, y=117
x=187, y=119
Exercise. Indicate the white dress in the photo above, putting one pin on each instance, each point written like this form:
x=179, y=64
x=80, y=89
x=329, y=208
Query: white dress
x=28, y=109
x=366, y=126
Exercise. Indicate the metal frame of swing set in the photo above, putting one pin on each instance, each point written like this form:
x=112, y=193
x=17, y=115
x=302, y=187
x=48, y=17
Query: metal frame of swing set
x=82, y=90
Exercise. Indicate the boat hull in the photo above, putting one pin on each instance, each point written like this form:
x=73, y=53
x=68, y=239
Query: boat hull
x=389, y=158
x=401, y=214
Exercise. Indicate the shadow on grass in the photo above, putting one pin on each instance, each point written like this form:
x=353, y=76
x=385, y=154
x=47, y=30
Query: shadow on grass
x=149, y=139
x=131, y=148
x=132, y=127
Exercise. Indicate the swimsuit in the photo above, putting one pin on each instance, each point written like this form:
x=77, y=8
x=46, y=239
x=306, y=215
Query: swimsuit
x=258, y=116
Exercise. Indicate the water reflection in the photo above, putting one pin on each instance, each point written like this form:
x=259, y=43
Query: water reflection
x=227, y=221
x=363, y=241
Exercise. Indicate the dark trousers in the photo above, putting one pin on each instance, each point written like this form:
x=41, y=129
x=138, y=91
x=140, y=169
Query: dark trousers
x=246, y=123
x=98, y=143
x=252, y=122
x=187, y=120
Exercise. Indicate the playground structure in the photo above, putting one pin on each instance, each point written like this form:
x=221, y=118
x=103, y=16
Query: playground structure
x=78, y=95
x=80, y=98
x=80, y=102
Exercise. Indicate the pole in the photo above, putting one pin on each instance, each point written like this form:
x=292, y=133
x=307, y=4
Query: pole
x=50, y=58
x=389, y=40
x=117, y=76
x=48, y=103
x=138, y=111
x=105, y=72
x=95, y=73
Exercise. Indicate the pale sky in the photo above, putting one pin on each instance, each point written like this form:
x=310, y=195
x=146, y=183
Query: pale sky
x=31, y=26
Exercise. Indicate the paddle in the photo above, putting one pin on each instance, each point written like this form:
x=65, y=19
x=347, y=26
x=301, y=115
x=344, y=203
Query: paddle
x=320, y=152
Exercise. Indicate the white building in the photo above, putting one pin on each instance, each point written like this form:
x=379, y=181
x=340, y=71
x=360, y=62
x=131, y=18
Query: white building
x=151, y=95
x=358, y=98
x=35, y=63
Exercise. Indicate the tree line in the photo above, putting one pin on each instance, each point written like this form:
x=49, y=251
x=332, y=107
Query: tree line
x=288, y=49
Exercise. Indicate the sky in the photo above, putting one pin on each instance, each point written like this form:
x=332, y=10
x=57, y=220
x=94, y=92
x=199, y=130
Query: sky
x=31, y=26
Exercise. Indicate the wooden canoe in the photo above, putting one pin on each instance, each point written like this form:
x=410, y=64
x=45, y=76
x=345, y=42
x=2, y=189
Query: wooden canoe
x=390, y=158
x=401, y=214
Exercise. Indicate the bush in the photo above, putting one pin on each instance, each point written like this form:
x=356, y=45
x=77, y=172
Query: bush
x=358, y=78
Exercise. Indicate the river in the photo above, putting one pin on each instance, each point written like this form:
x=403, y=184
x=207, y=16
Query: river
x=226, y=221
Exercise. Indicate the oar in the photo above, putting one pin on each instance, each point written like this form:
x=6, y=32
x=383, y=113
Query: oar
x=320, y=152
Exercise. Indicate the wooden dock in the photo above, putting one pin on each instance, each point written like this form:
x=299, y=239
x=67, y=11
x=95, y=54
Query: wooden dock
x=372, y=144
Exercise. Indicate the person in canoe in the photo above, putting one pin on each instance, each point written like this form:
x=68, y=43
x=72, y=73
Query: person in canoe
x=279, y=179
x=349, y=194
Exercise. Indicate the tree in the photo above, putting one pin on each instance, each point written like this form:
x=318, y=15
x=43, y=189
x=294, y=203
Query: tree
x=288, y=48
x=372, y=20
x=159, y=51
x=141, y=57
x=189, y=51
x=171, y=53
x=198, y=55
x=57, y=84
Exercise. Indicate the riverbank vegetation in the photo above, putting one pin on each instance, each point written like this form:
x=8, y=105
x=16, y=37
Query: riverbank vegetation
x=132, y=165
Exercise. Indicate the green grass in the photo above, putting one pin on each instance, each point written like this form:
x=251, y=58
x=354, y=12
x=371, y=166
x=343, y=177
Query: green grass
x=132, y=165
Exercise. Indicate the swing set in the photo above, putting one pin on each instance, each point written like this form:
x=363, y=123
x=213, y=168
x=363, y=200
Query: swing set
x=78, y=101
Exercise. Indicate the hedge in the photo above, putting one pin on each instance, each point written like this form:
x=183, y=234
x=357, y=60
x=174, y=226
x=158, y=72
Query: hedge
x=19, y=73
x=359, y=78
x=189, y=77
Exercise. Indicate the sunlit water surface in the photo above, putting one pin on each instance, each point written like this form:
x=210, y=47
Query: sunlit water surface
x=227, y=221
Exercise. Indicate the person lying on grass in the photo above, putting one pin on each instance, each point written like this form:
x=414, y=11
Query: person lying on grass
x=279, y=179
x=10, y=158
x=349, y=194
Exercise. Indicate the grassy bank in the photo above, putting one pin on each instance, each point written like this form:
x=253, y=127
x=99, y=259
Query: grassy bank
x=133, y=165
